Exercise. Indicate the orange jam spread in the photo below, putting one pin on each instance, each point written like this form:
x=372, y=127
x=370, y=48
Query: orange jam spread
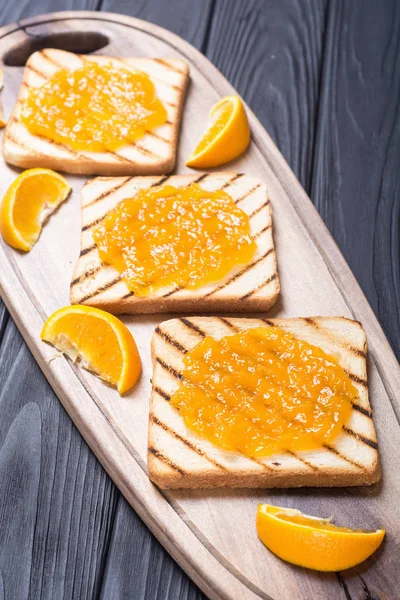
x=184, y=237
x=94, y=108
x=263, y=391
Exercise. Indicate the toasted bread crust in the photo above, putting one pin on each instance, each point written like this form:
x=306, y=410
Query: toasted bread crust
x=179, y=459
x=154, y=154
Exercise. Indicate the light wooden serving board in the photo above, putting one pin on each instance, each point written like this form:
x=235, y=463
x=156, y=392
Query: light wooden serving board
x=210, y=533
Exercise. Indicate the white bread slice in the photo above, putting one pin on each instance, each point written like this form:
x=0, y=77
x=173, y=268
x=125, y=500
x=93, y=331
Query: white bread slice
x=252, y=287
x=178, y=458
x=154, y=153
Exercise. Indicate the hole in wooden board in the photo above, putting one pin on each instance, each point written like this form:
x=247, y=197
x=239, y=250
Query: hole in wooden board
x=80, y=42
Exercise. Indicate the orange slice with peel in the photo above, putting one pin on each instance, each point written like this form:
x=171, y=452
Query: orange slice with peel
x=100, y=342
x=312, y=542
x=28, y=202
x=226, y=137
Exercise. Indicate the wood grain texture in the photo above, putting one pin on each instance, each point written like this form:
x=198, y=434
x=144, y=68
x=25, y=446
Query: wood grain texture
x=296, y=119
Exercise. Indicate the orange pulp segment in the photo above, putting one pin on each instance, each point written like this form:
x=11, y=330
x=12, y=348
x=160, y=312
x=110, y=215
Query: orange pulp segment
x=94, y=108
x=184, y=237
x=98, y=340
x=30, y=199
x=314, y=543
x=226, y=137
x=263, y=391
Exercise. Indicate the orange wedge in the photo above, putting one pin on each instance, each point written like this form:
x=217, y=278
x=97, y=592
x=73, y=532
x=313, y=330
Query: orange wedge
x=99, y=341
x=2, y=121
x=312, y=542
x=226, y=137
x=28, y=202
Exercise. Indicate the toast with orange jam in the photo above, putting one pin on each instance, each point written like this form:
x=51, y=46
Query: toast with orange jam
x=154, y=150
x=251, y=281
x=179, y=457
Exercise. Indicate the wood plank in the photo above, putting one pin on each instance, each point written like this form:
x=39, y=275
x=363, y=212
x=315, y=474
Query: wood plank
x=355, y=183
x=13, y=11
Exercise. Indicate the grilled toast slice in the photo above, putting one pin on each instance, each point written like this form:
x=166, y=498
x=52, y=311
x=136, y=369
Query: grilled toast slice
x=154, y=153
x=252, y=287
x=177, y=458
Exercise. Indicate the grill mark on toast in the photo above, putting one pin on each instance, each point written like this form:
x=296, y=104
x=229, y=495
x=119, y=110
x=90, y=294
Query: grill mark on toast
x=84, y=276
x=362, y=410
x=163, y=179
x=97, y=221
x=109, y=192
x=120, y=157
x=170, y=340
x=361, y=437
x=172, y=292
x=253, y=189
x=268, y=322
x=187, y=443
x=201, y=178
x=257, y=235
x=357, y=351
x=92, y=224
x=260, y=286
x=232, y=180
x=311, y=321
x=258, y=210
x=260, y=462
x=144, y=151
x=328, y=333
x=138, y=147
x=126, y=64
x=99, y=290
x=15, y=119
x=192, y=326
x=9, y=137
x=161, y=393
x=37, y=72
x=87, y=250
x=239, y=274
x=166, y=460
x=157, y=136
x=170, y=369
x=228, y=323
x=169, y=66
x=303, y=460
x=51, y=60
x=356, y=378
x=349, y=460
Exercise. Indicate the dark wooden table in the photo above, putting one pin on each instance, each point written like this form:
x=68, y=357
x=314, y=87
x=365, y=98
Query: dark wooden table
x=324, y=79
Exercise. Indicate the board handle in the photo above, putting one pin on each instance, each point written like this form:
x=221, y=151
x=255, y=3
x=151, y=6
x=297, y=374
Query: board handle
x=79, y=42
